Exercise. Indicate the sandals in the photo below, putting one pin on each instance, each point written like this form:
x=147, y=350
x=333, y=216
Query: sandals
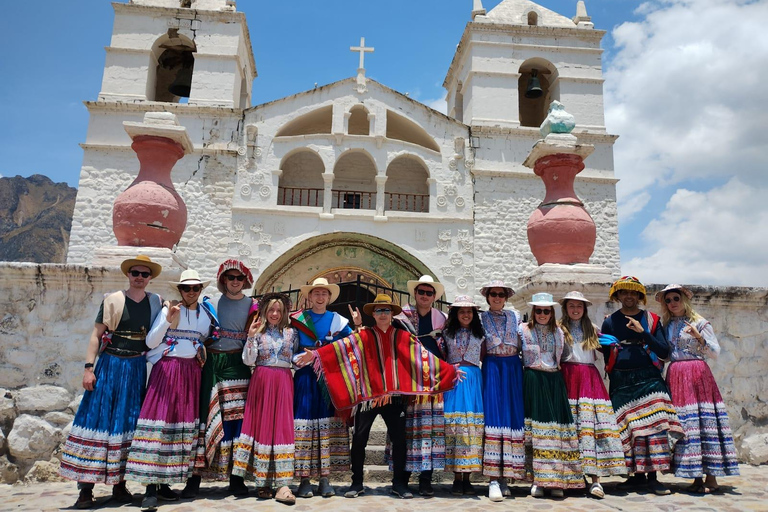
x=284, y=495
x=596, y=491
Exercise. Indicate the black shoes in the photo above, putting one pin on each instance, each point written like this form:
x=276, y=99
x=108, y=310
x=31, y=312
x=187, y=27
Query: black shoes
x=85, y=499
x=636, y=481
x=192, y=487
x=120, y=494
x=165, y=493
x=237, y=486
x=354, y=491
x=402, y=491
x=425, y=488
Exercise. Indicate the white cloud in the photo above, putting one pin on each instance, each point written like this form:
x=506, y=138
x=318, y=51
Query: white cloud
x=438, y=104
x=715, y=237
x=685, y=90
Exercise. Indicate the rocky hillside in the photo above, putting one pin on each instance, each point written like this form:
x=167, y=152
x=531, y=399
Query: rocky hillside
x=35, y=219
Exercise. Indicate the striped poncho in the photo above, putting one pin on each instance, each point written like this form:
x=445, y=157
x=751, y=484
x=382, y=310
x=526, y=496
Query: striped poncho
x=371, y=366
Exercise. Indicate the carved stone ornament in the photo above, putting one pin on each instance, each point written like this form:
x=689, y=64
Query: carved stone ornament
x=245, y=190
x=444, y=234
x=265, y=239
x=453, y=164
x=469, y=163
x=447, y=271
x=461, y=283
x=242, y=151
x=257, y=228
x=257, y=151
x=441, y=201
x=457, y=259
x=442, y=246
x=462, y=234
x=460, y=202
x=450, y=190
x=265, y=191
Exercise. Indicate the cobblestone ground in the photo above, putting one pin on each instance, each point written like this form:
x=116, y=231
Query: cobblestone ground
x=745, y=493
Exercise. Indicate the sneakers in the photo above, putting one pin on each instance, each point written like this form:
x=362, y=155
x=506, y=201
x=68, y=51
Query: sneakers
x=402, y=491
x=149, y=503
x=192, y=487
x=85, y=499
x=425, y=488
x=536, y=491
x=165, y=493
x=558, y=493
x=658, y=488
x=494, y=491
x=457, y=489
x=596, y=491
x=354, y=491
x=120, y=494
x=305, y=489
x=237, y=486
x=325, y=489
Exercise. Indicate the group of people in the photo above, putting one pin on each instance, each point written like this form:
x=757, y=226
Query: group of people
x=467, y=392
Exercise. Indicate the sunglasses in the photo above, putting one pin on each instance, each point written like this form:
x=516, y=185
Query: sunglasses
x=193, y=288
x=497, y=294
x=428, y=293
x=676, y=298
x=136, y=273
x=540, y=311
x=231, y=277
x=382, y=311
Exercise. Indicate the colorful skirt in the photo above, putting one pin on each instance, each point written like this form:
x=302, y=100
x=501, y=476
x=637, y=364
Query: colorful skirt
x=464, y=422
x=708, y=447
x=265, y=449
x=96, y=449
x=321, y=438
x=504, y=447
x=163, y=447
x=551, y=440
x=599, y=440
x=647, y=421
x=424, y=434
x=222, y=402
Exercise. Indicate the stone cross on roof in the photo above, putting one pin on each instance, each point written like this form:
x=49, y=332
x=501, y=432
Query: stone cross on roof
x=362, y=49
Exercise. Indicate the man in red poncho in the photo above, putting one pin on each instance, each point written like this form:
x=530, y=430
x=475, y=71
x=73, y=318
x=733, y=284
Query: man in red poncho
x=370, y=371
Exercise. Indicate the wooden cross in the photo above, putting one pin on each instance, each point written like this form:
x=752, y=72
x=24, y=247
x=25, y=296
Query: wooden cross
x=363, y=50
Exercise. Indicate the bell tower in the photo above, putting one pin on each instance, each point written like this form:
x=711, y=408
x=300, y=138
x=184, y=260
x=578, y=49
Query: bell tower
x=179, y=51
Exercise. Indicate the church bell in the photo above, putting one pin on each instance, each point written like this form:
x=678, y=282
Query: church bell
x=182, y=85
x=533, y=90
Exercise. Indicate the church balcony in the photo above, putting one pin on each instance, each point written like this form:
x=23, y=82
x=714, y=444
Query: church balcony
x=352, y=199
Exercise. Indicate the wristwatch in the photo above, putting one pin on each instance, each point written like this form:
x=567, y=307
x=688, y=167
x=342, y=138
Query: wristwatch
x=88, y=365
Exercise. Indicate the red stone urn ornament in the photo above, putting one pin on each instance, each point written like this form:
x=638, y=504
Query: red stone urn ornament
x=560, y=230
x=150, y=213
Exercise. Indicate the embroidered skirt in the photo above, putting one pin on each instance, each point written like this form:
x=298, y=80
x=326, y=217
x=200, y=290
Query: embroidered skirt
x=264, y=452
x=707, y=448
x=464, y=422
x=599, y=441
x=424, y=434
x=321, y=438
x=96, y=449
x=647, y=421
x=551, y=440
x=163, y=447
x=504, y=446
x=222, y=401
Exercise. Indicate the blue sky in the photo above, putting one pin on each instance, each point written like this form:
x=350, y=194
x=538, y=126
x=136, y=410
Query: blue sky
x=685, y=142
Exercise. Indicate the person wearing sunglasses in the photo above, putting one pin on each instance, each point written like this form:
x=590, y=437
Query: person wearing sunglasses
x=646, y=418
x=424, y=420
x=707, y=451
x=94, y=451
x=503, y=439
x=369, y=372
x=322, y=437
x=464, y=417
x=224, y=383
x=164, y=445
x=552, y=442
x=599, y=441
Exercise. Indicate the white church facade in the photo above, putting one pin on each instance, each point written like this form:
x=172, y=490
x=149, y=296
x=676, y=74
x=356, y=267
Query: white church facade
x=352, y=178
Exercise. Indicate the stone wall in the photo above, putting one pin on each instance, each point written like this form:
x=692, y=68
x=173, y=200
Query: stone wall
x=47, y=313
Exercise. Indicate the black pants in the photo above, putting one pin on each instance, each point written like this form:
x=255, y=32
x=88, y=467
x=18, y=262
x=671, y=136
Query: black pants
x=394, y=417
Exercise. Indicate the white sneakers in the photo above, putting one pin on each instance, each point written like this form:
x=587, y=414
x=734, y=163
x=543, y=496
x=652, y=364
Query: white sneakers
x=536, y=491
x=494, y=491
x=557, y=493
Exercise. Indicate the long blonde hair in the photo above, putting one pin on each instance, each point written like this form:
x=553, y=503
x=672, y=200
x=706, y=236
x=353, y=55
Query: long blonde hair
x=690, y=314
x=590, y=341
x=284, y=320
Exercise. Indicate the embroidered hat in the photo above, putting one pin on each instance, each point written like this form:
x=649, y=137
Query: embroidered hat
x=496, y=283
x=269, y=297
x=189, y=277
x=574, y=295
x=321, y=282
x=426, y=280
x=464, y=301
x=630, y=283
x=542, y=299
x=382, y=299
x=143, y=261
x=673, y=287
x=233, y=264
